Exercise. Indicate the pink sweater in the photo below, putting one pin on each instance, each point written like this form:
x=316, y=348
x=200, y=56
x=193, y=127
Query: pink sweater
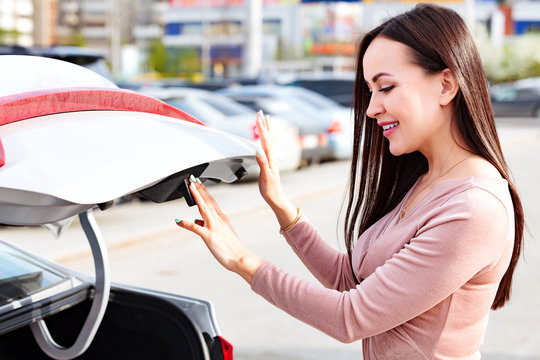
x=427, y=281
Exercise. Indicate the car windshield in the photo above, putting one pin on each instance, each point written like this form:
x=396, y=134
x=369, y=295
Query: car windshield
x=504, y=93
x=226, y=106
x=22, y=275
x=200, y=110
x=314, y=99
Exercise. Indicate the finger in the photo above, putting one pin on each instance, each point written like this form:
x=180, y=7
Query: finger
x=262, y=160
x=204, y=208
x=209, y=199
x=264, y=133
x=193, y=227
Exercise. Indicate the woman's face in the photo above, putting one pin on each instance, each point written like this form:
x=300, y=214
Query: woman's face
x=404, y=99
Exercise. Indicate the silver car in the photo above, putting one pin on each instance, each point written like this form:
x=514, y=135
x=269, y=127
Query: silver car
x=306, y=109
x=225, y=114
x=71, y=143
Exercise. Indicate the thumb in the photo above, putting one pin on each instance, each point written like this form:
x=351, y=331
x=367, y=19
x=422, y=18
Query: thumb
x=262, y=160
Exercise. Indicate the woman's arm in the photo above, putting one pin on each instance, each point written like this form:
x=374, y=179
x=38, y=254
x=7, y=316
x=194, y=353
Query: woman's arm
x=328, y=265
x=460, y=240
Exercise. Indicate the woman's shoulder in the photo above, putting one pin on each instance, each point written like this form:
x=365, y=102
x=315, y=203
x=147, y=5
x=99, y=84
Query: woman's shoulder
x=484, y=196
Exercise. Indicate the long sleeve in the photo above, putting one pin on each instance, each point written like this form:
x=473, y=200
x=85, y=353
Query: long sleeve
x=464, y=237
x=330, y=266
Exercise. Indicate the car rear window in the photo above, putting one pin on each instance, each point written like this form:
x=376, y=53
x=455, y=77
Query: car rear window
x=22, y=275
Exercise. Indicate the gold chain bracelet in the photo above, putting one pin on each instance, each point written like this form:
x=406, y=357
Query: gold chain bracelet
x=296, y=219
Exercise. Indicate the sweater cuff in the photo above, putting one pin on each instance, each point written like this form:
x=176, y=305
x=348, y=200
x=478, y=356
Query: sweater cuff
x=297, y=229
x=257, y=281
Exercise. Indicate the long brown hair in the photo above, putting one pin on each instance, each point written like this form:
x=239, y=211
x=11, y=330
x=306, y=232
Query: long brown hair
x=439, y=40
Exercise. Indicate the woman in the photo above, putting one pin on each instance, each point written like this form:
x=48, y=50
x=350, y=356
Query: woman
x=434, y=225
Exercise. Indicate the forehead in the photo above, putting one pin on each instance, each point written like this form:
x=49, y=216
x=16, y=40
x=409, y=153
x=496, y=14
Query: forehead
x=387, y=56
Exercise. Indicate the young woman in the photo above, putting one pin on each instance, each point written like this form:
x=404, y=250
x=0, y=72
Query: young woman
x=434, y=225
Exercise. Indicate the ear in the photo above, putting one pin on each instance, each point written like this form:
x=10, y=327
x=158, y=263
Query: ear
x=449, y=87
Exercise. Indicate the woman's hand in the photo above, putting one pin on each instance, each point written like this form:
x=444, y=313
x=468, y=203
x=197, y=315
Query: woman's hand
x=218, y=235
x=269, y=180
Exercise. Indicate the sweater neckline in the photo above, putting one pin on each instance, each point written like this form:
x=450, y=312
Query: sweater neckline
x=472, y=179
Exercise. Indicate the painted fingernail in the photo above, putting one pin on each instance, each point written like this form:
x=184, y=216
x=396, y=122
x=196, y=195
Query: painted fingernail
x=199, y=181
x=178, y=221
x=259, y=151
x=192, y=178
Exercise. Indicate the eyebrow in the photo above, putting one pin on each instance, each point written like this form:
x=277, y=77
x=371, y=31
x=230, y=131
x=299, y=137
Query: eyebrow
x=377, y=76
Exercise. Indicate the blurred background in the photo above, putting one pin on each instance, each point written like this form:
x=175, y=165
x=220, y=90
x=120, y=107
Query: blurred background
x=205, y=40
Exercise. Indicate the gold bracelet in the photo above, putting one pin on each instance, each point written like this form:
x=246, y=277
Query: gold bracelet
x=298, y=216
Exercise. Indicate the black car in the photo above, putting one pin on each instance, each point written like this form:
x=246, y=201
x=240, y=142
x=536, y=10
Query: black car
x=515, y=101
x=338, y=88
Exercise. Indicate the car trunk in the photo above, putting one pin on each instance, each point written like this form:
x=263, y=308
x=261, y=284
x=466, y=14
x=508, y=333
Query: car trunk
x=133, y=327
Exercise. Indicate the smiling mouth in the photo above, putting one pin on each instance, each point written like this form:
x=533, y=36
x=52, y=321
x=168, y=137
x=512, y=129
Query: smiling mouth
x=389, y=126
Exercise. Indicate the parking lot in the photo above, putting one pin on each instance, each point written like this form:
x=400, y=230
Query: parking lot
x=148, y=249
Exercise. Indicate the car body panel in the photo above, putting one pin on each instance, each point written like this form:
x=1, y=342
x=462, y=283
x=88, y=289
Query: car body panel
x=92, y=157
x=509, y=100
x=43, y=73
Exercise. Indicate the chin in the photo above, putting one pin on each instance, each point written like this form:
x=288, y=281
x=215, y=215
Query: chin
x=396, y=150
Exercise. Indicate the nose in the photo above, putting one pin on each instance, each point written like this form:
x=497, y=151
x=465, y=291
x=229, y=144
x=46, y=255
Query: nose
x=375, y=107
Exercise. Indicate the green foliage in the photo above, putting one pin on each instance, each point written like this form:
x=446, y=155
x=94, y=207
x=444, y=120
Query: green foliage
x=9, y=36
x=516, y=58
x=173, y=62
x=78, y=39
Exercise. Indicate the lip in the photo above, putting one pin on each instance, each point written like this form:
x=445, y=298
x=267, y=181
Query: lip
x=389, y=131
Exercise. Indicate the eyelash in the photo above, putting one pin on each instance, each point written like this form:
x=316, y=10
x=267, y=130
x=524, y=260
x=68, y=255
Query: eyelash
x=387, y=89
x=383, y=90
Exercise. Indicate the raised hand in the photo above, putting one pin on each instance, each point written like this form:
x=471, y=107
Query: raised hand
x=218, y=234
x=269, y=179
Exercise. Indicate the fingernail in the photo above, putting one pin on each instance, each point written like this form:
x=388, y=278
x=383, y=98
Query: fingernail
x=178, y=221
x=259, y=151
x=192, y=178
x=199, y=181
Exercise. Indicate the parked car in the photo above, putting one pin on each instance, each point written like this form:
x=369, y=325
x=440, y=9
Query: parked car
x=71, y=142
x=225, y=114
x=339, y=88
x=511, y=100
x=307, y=110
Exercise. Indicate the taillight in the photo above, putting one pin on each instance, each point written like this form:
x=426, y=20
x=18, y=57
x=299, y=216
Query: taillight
x=226, y=348
x=2, y=155
x=254, y=133
x=335, y=127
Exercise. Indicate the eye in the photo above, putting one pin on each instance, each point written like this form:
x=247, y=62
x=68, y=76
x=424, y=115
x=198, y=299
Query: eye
x=386, y=89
